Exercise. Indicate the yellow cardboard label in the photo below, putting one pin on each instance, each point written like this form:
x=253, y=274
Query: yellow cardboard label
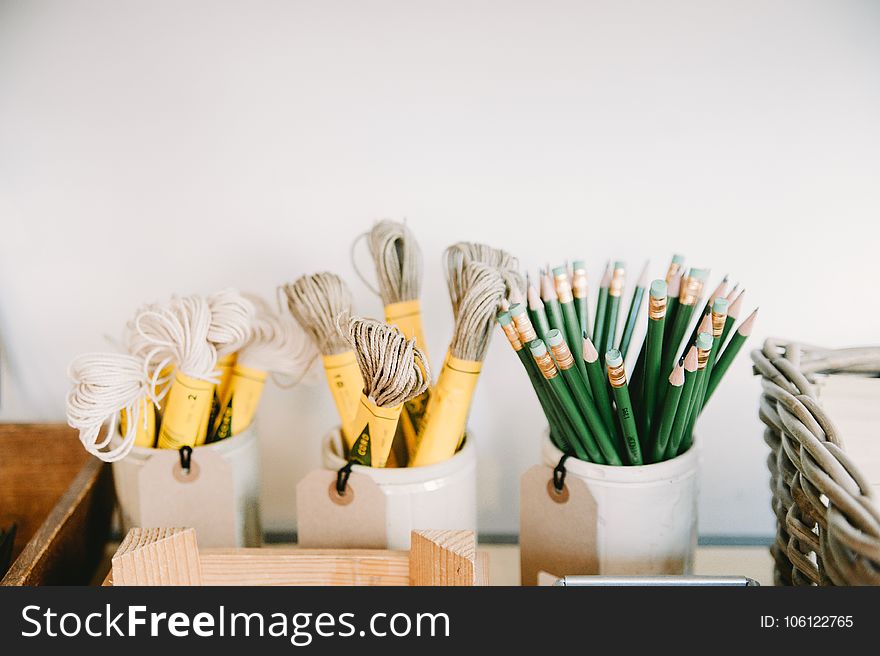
x=226, y=366
x=346, y=385
x=187, y=406
x=145, y=435
x=411, y=420
x=377, y=428
x=239, y=406
x=447, y=412
x=407, y=315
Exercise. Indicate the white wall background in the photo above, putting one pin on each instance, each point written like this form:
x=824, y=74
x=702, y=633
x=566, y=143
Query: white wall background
x=156, y=147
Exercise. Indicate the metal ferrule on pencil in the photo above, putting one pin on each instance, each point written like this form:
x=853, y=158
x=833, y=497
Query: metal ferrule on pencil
x=656, y=308
x=617, y=376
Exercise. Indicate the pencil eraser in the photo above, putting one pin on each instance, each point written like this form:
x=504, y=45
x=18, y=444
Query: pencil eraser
x=517, y=309
x=720, y=305
x=560, y=271
x=658, y=289
x=504, y=318
x=537, y=347
x=554, y=337
x=579, y=265
x=704, y=341
x=678, y=259
x=619, y=264
x=613, y=358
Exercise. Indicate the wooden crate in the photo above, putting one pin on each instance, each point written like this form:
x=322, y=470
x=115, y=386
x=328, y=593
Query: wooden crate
x=61, y=500
x=170, y=556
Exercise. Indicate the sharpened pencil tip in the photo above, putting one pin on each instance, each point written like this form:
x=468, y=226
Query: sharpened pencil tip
x=745, y=328
x=548, y=290
x=690, y=360
x=736, y=307
x=535, y=302
x=590, y=352
x=676, y=378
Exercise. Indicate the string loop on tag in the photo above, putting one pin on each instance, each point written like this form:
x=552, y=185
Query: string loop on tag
x=342, y=478
x=559, y=474
x=186, y=458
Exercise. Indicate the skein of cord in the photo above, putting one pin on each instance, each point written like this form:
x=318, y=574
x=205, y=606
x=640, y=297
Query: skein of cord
x=482, y=288
x=232, y=317
x=106, y=385
x=278, y=345
x=394, y=370
x=321, y=303
x=459, y=255
x=177, y=336
x=398, y=262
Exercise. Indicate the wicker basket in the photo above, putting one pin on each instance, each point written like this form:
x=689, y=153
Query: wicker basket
x=828, y=519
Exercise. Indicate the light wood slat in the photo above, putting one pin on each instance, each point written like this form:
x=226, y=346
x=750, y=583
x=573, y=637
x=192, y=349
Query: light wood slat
x=304, y=567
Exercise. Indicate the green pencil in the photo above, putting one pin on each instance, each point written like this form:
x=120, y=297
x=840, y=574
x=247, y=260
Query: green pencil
x=598, y=336
x=551, y=303
x=704, y=350
x=632, y=316
x=615, y=290
x=617, y=378
x=653, y=353
x=557, y=433
x=732, y=315
x=536, y=311
x=691, y=290
x=565, y=364
x=729, y=354
x=720, y=292
x=660, y=439
x=720, y=307
x=569, y=317
x=581, y=292
x=681, y=412
x=599, y=385
x=548, y=368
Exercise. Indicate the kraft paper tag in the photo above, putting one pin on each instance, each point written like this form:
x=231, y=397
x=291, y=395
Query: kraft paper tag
x=557, y=532
x=203, y=499
x=326, y=520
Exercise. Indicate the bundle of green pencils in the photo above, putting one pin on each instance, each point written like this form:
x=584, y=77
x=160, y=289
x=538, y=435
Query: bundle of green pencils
x=595, y=411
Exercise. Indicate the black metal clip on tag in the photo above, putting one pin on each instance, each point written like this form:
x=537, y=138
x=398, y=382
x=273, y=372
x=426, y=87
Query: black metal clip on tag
x=559, y=474
x=342, y=478
x=185, y=458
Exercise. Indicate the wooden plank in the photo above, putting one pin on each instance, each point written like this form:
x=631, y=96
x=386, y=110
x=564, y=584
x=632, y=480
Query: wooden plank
x=38, y=462
x=292, y=566
x=443, y=557
x=158, y=556
x=481, y=571
x=68, y=545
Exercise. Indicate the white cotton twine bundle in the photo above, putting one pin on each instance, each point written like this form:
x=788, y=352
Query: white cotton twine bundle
x=104, y=385
x=176, y=336
x=277, y=344
x=232, y=318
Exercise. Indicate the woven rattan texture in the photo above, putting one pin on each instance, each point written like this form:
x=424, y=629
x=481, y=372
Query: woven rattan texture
x=828, y=521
